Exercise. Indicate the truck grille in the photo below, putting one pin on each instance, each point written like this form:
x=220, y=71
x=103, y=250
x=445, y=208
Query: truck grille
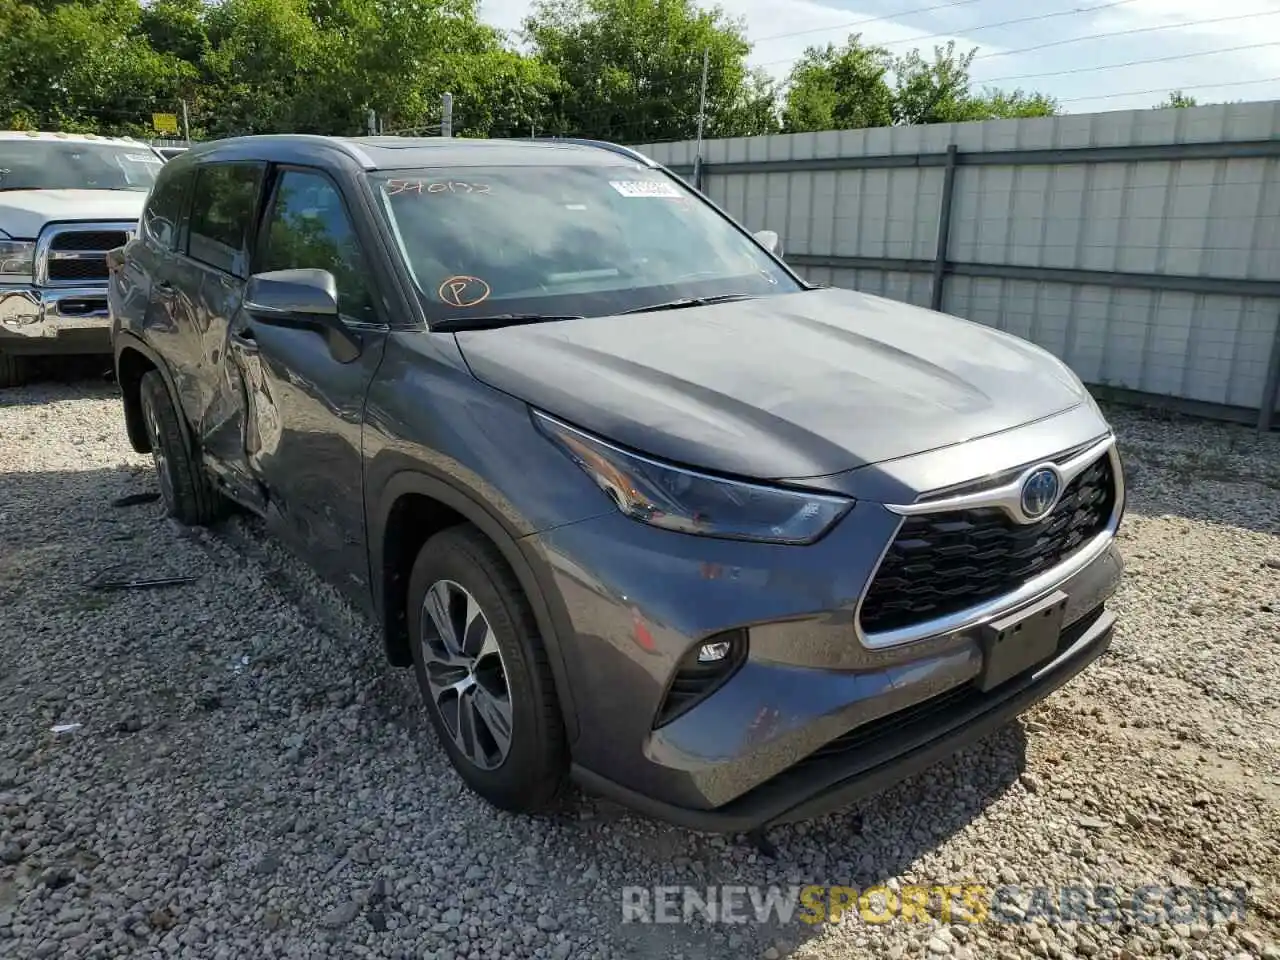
x=942, y=563
x=78, y=256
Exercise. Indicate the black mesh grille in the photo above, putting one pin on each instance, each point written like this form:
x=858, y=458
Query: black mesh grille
x=941, y=563
x=89, y=240
x=91, y=269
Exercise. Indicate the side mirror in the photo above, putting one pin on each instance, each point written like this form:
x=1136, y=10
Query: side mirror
x=298, y=295
x=770, y=240
x=303, y=300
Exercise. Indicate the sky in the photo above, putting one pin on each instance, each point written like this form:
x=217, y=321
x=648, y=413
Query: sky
x=1088, y=50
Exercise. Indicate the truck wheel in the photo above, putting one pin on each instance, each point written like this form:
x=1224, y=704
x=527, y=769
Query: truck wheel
x=13, y=370
x=483, y=672
x=189, y=496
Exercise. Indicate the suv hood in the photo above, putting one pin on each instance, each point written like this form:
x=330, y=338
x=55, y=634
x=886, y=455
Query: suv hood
x=23, y=213
x=797, y=385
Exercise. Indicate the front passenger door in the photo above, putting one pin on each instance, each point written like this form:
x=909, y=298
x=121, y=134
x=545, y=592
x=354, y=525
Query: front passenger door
x=305, y=405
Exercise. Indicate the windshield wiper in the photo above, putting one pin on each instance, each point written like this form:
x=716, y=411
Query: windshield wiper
x=499, y=320
x=683, y=302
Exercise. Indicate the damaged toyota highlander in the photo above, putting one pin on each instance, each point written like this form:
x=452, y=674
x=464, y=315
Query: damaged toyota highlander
x=639, y=506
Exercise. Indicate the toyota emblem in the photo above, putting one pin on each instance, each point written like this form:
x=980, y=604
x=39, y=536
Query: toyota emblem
x=1040, y=493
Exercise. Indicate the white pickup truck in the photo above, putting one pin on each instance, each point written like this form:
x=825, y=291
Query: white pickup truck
x=65, y=200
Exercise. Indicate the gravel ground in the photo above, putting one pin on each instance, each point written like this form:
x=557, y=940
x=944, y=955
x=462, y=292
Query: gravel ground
x=248, y=779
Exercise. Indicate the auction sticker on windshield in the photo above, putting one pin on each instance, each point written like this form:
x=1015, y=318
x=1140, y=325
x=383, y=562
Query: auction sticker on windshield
x=645, y=188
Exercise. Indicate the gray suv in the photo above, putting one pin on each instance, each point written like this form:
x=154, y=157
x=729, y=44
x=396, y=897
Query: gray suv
x=639, y=506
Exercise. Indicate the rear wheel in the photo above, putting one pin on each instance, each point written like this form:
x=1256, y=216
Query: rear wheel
x=483, y=672
x=13, y=370
x=189, y=496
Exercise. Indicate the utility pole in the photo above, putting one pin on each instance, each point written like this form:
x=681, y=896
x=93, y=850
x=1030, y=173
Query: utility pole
x=702, y=116
x=446, y=116
x=186, y=123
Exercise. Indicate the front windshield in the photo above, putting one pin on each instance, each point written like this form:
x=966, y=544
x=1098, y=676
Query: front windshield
x=565, y=240
x=31, y=164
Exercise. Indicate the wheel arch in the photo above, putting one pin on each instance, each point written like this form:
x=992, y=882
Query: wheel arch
x=448, y=505
x=133, y=360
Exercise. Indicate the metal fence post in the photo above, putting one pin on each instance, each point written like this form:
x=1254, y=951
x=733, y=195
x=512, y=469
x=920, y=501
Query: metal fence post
x=944, y=229
x=1271, y=386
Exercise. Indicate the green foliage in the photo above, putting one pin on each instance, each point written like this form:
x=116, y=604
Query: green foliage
x=856, y=86
x=630, y=70
x=72, y=66
x=840, y=88
x=1176, y=99
x=624, y=70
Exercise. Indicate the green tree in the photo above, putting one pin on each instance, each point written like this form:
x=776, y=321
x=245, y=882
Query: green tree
x=994, y=104
x=266, y=62
x=499, y=93
x=630, y=70
x=751, y=111
x=855, y=86
x=84, y=67
x=176, y=27
x=839, y=88
x=939, y=91
x=932, y=91
x=1176, y=99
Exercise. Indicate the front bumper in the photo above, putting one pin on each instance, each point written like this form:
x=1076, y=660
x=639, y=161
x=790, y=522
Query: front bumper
x=814, y=716
x=876, y=757
x=42, y=320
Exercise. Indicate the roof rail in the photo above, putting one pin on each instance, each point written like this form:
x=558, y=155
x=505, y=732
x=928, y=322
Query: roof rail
x=603, y=145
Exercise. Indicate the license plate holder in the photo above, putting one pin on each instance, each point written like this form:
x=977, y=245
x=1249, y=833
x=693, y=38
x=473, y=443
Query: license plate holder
x=1020, y=640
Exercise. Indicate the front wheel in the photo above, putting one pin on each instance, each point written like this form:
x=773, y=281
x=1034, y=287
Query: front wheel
x=483, y=672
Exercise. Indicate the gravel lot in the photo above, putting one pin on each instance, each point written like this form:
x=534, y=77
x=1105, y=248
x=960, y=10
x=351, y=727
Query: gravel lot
x=249, y=779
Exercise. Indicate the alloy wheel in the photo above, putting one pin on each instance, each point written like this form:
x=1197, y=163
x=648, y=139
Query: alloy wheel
x=466, y=674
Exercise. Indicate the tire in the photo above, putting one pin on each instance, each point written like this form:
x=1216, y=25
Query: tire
x=531, y=775
x=13, y=370
x=189, y=496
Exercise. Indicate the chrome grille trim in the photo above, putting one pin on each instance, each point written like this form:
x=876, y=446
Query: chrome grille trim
x=47, y=243
x=1035, y=588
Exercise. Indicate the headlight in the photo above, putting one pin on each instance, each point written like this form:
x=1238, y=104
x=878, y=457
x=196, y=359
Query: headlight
x=678, y=499
x=17, y=258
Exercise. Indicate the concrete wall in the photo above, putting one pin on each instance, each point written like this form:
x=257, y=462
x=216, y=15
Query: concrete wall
x=1152, y=267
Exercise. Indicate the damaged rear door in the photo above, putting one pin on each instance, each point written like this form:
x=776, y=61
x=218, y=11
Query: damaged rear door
x=305, y=391
x=220, y=234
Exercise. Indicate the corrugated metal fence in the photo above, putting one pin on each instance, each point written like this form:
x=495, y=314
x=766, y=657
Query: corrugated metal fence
x=1141, y=247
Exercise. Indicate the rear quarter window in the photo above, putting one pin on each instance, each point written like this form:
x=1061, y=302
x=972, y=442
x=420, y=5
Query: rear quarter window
x=164, y=208
x=223, y=208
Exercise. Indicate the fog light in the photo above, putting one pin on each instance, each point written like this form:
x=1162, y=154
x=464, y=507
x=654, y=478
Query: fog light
x=714, y=652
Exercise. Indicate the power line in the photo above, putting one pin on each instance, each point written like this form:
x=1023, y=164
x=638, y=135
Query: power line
x=990, y=26
x=1130, y=63
x=1149, y=93
x=1128, y=33
x=858, y=23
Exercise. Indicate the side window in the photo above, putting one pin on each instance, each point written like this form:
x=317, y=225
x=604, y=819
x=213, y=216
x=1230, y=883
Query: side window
x=164, y=208
x=308, y=228
x=224, y=206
